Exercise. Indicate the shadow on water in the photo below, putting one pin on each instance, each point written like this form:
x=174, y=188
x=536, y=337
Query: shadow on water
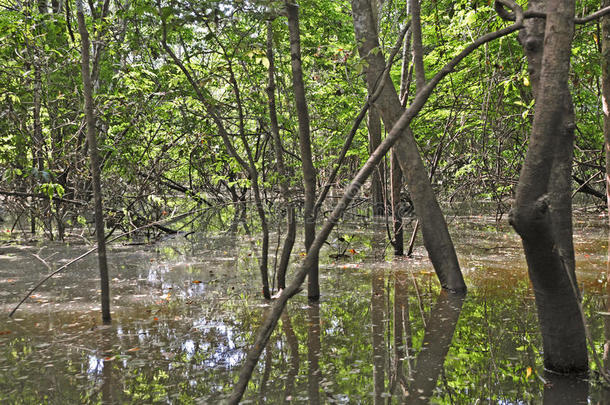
x=186, y=311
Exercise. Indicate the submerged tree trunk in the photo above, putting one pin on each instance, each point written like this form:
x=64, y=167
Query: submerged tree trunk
x=434, y=228
x=95, y=162
x=309, y=172
x=281, y=169
x=541, y=214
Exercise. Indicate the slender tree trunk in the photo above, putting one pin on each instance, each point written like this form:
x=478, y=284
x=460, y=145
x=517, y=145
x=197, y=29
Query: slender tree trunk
x=374, y=127
x=605, y=50
x=249, y=166
x=374, y=133
x=395, y=172
x=397, y=220
x=309, y=172
x=541, y=214
x=95, y=162
x=434, y=228
x=37, y=139
x=418, y=48
x=349, y=194
x=281, y=169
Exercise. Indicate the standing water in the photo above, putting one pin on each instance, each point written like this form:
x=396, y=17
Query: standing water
x=186, y=310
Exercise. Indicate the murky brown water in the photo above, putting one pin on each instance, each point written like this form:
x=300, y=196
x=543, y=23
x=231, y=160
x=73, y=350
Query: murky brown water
x=186, y=310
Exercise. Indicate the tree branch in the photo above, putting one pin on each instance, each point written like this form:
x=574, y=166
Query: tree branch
x=504, y=14
x=350, y=193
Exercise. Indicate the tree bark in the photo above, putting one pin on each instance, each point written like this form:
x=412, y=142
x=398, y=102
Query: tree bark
x=434, y=228
x=348, y=196
x=397, y=220
x=95, y=162
x=374, y=133
x=541, y=214
x=309, y=172
x=374, y=127
x=605, y=78
x=418, y=48
x=313, y=353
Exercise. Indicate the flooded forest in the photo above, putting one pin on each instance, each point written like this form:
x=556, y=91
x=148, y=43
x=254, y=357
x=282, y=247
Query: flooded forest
x=304, y=201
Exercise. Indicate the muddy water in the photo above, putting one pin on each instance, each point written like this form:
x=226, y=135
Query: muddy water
x=186, y=310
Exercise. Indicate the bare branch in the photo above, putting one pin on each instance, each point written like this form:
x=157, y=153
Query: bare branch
x=593, y=16
x=500, y=7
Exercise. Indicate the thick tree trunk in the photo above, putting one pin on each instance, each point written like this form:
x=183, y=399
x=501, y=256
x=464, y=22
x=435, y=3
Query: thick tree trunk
x=95, y=162
x=281, y=169
x=309, y=172
x=541, y=207
x=434, y=228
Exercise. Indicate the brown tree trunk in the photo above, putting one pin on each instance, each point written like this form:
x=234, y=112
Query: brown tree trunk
x=418, y=48
x=95, y=162
x=397, y=220
x=541, y=214
x=309, y=172
x=434, y=228
x=374, y=128
x=281, y=169
x=349, y=194
x=374, y=133
x=605, y=50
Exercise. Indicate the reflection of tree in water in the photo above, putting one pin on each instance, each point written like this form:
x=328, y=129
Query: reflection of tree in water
x=378, y=320
x=295, y=359
x=313, y=353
